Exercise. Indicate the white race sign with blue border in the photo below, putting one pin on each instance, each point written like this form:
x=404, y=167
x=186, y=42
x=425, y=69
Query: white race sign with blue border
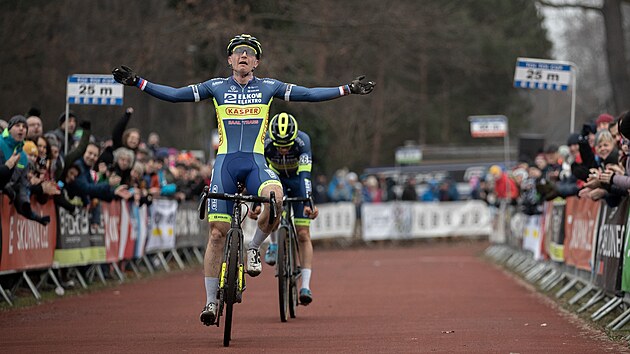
x=488, y=126
x=542, y=74
x=94, y=89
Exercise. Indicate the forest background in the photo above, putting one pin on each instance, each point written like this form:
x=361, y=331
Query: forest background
x=435, y=62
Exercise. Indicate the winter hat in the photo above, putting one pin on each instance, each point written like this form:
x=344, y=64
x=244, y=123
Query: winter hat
x=30, y=148
x=62, y=116
x=573, y=139
x=15, y=120
x=624, y=125
x=604, y=118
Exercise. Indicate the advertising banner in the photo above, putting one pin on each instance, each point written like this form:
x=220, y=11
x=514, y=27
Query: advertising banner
x=128, y=234
x=625, y=274
x=110, y=220
x=140, y=228
x=402, y=220
x=189, y=230
x=76, y=243
x=163, y=216
x=335, y=220
x=610, y=246
x=27, y=244
x=554, y=230
x=532, y=236
x=580, y=228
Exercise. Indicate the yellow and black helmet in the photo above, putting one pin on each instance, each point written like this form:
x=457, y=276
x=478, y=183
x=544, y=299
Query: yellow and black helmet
x=283, y=129
x=245, y=39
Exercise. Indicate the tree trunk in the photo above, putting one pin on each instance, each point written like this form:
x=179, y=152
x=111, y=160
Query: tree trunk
x=615, y=50
x=379, y=111
x=424, y=99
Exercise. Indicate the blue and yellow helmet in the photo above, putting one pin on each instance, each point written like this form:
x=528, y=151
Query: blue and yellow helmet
x=283, y=129
x=245, y=39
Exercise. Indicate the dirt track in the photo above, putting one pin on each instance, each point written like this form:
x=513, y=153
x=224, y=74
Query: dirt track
x=424, y=298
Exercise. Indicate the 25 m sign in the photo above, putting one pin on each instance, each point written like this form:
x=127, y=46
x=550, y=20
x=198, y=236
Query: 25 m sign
x=542, y=74
x=94, y=89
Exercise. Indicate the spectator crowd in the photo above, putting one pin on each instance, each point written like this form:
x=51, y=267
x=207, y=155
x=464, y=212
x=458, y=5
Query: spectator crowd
x=593, y=164
x=35, y=166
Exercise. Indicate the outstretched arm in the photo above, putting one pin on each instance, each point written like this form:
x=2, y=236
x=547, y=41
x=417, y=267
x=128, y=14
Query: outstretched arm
x=191, y=93
x=300, y=93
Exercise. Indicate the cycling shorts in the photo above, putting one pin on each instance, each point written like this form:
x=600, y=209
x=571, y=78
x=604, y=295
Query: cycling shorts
x=246, y=167
x=291, y=186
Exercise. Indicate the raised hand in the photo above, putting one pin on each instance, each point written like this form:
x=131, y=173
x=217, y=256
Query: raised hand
x=357, y=86
x=124, y=75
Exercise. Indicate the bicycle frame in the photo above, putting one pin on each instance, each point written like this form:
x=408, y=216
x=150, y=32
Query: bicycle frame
x=232, y=273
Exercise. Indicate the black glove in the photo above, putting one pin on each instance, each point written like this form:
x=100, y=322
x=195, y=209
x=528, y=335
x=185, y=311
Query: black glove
x=361, y=88
x=125, y=76
x=86, y=125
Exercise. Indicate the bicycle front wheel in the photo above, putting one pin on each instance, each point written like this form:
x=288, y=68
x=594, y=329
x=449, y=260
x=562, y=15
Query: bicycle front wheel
x=283, y=270
x=232, y=284
x=294, y=272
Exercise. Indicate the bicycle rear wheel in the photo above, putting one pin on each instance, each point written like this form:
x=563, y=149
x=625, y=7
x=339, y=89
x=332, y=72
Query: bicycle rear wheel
x=231, y=285
x=283, y=271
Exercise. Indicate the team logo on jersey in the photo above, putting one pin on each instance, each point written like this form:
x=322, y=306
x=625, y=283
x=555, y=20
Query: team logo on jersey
x=213, y=203
x=268, y=82
x=271, y=173
x=216, y=83
x=242, y=111
x=229, y=97
x=233, y=88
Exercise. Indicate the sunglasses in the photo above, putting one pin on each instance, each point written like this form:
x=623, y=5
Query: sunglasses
x=249, y=51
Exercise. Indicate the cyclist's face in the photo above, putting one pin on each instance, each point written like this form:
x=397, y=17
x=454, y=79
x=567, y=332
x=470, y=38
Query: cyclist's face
x=284, y=150
x=243, y=59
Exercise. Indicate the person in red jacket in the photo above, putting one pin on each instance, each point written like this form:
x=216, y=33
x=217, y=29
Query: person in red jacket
x=504, y=186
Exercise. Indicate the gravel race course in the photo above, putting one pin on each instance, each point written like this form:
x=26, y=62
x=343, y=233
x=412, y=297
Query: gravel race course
x=422, y=297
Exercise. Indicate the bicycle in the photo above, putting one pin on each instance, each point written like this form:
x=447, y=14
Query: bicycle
x=232, y=276
x=288, y=262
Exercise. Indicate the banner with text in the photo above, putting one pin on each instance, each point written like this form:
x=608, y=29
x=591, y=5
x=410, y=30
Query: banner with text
x=189, y=230
x=402, y=220
x=76, y=243
x=27, y=244
x=580, y=228
x=612, y=229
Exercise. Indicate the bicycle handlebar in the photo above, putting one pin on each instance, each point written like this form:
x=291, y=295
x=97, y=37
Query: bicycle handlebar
x=308, y=200
x=205, y=195
x=239, y=197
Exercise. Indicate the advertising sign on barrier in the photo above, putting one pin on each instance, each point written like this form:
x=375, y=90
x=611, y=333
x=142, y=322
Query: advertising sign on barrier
x=140, y=227
x=580, y=227
x=128, y=234
x=625, y=273
x=110, y=215
x=162, y=235
x=26, y=244
x=76, y=245
x=610, y=246
x=189, y=230
x=334, y=220
x=400, y=220
x=554, y=230
x=532, y=236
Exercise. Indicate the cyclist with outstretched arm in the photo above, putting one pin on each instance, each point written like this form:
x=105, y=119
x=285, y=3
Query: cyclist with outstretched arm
x=242, y=104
